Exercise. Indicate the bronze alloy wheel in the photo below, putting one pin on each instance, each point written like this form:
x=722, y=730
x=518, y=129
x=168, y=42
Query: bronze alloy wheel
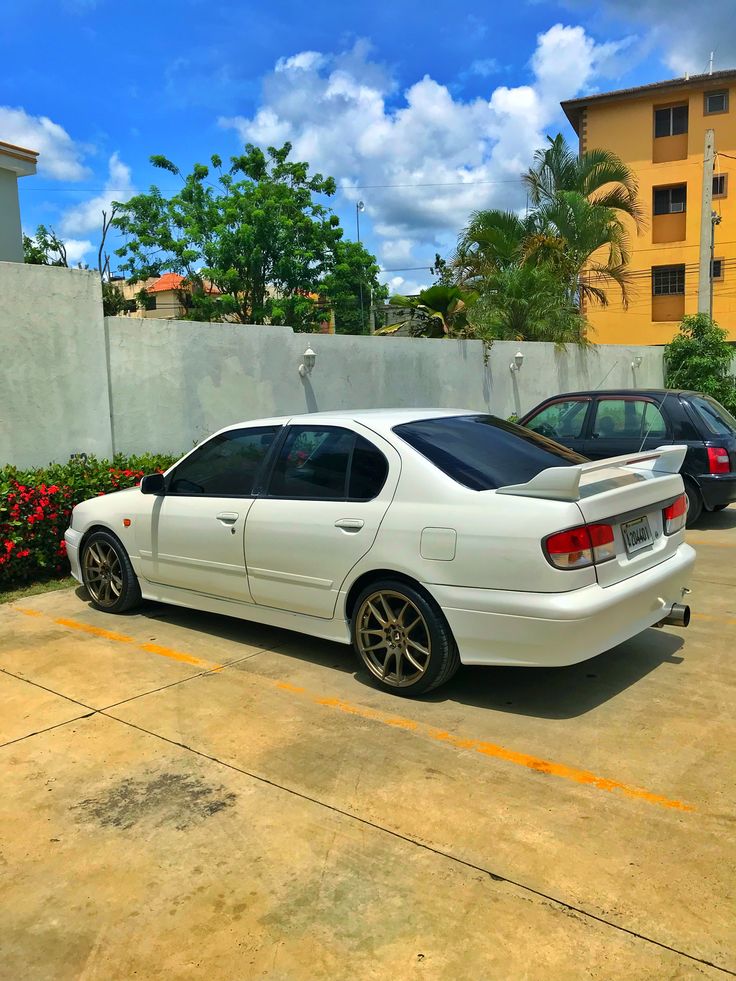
x=103, y=573
x=393, y=638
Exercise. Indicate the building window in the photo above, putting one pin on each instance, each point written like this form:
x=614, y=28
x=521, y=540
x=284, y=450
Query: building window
x=717, y=270
x=720, y=185
x=670, y=200
x=671, y=121
x=715, y=102
x=668, y=280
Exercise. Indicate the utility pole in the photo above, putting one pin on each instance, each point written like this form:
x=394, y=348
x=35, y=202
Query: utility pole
x=715, y=219
x=706, y=226
x=358, y=208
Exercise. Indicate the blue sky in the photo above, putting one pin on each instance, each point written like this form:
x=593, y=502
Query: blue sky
x=401, y=102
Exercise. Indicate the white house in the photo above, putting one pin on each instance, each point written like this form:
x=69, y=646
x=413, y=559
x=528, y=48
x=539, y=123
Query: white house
x=15, y=162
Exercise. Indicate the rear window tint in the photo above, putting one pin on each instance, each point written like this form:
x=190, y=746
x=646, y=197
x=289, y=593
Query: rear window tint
x=718, y=420
x=483, y=452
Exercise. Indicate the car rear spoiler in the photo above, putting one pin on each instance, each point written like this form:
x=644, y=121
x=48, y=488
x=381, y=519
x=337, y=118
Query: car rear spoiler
x=563, y=483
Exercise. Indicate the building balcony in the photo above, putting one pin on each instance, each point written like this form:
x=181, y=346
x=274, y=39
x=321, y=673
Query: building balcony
x=669, y=228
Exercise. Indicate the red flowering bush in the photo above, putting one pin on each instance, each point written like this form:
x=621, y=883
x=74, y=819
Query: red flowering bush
x=35, y=506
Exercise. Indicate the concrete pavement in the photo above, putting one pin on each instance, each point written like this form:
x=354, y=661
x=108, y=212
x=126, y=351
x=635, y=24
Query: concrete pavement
x=187, y=795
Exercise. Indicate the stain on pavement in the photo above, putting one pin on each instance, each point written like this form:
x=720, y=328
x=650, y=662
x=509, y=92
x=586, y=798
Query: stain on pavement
x=164, y=799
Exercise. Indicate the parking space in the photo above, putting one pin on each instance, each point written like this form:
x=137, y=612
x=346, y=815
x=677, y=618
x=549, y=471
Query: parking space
x=186, y=793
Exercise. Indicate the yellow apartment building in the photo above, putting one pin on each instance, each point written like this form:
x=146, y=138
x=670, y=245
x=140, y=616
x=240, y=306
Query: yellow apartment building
x=659, y=130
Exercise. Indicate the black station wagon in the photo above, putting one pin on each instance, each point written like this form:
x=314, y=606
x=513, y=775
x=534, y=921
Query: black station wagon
x=611, y=423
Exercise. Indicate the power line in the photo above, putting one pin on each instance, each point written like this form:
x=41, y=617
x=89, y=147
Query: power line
x=341, y=188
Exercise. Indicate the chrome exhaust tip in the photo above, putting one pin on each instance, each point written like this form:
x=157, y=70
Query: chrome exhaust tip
x=679, y=616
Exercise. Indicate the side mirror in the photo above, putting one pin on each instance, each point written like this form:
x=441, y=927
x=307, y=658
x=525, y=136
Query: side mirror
x=153, y=483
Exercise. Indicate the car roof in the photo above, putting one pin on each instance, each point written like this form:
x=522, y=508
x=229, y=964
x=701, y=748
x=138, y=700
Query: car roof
x=590, y=392
x=379, y=420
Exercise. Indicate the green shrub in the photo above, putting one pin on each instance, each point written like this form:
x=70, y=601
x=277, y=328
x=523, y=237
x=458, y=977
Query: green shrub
x=701, y=359
x=35, y=506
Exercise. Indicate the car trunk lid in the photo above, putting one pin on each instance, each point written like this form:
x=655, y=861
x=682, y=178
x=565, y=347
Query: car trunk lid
x=627, y=492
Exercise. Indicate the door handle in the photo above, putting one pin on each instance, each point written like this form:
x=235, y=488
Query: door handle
x=227, y=517
x=350, y=524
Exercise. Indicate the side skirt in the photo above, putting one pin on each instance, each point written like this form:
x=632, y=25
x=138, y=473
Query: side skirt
x=335, y=630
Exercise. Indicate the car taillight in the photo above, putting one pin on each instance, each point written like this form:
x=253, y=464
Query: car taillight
x=718, y=461
x=579, y=547
x=675, y=515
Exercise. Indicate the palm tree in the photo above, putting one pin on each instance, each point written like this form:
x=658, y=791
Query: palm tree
x=599, y=175
x=526, y=302
x=587, y=200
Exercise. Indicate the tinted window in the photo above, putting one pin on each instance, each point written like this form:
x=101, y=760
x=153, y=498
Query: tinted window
x=627, y=419
x=482, y=452
x=671, y=121
x=718, y=420
x=653, y=424
x=561, y=420
x=225, y=465
x=328, y=463
x=368, y=471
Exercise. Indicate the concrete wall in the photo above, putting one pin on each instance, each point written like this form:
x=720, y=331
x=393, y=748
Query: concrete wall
x=72, y=382
x=174, y=382
x=11, y=237
x=53, y=368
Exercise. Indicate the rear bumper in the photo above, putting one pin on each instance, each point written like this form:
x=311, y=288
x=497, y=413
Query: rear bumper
x=494, y=626
x=717, y=488
x=73, y=539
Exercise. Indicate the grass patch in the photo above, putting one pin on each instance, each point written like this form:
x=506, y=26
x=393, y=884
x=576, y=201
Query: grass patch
x=11, y=595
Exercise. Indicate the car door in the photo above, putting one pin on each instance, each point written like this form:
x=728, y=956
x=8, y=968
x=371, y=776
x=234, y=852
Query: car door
x=562, y=420
x=625, y=424
x=195, y=536
x=326, y=497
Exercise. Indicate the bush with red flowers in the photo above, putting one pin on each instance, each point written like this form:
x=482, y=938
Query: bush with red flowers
x=35, y=506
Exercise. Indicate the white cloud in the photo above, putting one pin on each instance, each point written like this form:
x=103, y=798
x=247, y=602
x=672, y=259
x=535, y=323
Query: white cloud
x=305, y=60
x=685, y=30
x=59, y=156
x=87, y=216
x=484, y=67
x=78, y=250
x=342, y=115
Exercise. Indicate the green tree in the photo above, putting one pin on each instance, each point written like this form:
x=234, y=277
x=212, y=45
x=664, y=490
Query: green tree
x=700, y=358
x=45, y=249
x=526, y=302
x=253, y=229
x=354, y=270
x=598, y=175
x=113, y=301
x=586, y=200
x=438, y=311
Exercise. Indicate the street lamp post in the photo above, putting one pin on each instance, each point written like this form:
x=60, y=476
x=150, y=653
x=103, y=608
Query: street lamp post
x=358, y=208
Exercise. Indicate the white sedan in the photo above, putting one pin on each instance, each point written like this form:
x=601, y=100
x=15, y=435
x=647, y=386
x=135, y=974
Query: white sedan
x=426, y=538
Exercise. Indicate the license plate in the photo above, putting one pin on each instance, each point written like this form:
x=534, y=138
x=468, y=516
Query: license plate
x=637, y=534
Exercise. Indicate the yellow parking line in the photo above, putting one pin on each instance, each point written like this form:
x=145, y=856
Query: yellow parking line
x=483, y=748
x=88, y=628
x=479, y=746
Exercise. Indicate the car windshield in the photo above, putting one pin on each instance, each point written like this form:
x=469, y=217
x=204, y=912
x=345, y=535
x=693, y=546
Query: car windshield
x=718, y=420
x=483, y=452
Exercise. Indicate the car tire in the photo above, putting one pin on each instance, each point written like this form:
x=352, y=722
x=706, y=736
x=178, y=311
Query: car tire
x=108, y=575
x=694, y=503
x=402, y=637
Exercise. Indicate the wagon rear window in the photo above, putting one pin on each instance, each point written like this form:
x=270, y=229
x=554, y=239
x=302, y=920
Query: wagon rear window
x=719, y=421
x=483, y=452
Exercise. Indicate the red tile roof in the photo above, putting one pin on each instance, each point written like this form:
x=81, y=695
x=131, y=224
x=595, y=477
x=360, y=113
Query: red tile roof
x=169, y=281
x=173, y=281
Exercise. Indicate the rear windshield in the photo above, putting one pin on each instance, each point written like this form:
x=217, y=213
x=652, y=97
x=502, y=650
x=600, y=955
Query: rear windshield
x=483, y=452
x=718, y=420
